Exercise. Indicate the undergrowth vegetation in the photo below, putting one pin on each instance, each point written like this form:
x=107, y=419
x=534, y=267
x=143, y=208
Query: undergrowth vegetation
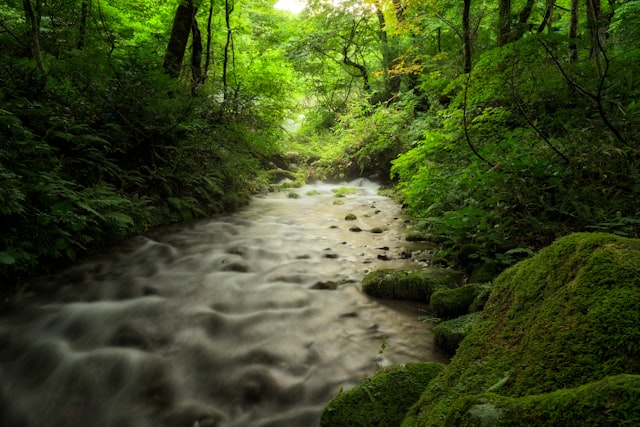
x=526, y=146
x=99, y=143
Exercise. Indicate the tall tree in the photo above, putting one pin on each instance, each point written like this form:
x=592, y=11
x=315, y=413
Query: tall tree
x=504, y=21
x=180, y=31
x=466, y=36
x=33, y=29
x=573, y=31
x=597, y=32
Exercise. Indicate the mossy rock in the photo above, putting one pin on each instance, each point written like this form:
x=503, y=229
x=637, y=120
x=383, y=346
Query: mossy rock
x=485, y=272
x=481, y=298
x=449, y=334
x=450, y=303
x=612, y=401
x=382, y=400
x=566, y=317
x=412, y=285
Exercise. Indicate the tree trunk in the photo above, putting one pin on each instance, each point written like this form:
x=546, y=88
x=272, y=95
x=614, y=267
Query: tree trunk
x=392, y=85
x=82, y=28
x=196, y=56
x=466, y=36
x=182, y=23
x=228, y=8
x=33, y=23
x=523, y=17
x=207, y=61
x=504, y=21
x=597, y=30
x=348, y=61
x=573, y=31
x=547, y=19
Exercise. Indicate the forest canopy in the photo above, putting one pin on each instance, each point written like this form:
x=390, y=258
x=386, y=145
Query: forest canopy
x=500, y=124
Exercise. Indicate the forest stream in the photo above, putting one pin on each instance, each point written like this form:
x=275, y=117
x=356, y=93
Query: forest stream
x=250, y=319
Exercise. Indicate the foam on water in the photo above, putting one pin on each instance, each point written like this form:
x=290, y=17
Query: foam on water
x=251, y=319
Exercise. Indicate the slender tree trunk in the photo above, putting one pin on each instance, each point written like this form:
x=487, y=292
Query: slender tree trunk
x=392, y=85
x=85, y=6
x=33, y=23
x=504, y=21
x=182, y=23
x=466, y=36
x=196, y=56
x=547, y=19
x=523, y=17
x=228, y=8
x=348, y=61
x=597, y=30
x=208, y=55
x=573, y=31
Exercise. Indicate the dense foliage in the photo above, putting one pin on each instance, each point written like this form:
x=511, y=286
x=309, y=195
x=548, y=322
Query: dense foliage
x=508, y=129
x=500, y=124
x=99, y=142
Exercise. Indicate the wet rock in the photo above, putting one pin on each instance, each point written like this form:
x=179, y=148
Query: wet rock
x=355, y=229
x=238, y=267
x=348, y=315
x=449, y=334
x=331, y=256
x=350, y=217
x=412, y=285
x=328, y=285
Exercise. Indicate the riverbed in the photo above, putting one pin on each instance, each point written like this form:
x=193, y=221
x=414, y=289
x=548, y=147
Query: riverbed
x=251, y=319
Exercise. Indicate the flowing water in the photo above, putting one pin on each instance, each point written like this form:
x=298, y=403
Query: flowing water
x=251, y=319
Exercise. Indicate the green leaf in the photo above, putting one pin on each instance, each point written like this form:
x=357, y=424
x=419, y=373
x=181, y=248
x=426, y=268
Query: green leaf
x=6, y=259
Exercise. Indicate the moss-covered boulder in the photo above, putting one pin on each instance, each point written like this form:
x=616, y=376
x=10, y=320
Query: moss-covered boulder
x=412, y=285
x=449, y=334
x=612, y=401
x=449, y=303
x=567, y=317
x=382, y=400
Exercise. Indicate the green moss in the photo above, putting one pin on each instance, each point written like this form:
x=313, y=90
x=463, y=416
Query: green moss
x=381, y=400
x=481, y=298
x=450, y=303
x=612, y=401
x=344, y=191
x=568, y=316
x=415, y=236
x=293, y=195
x=412, y=285
x=449, y=334
x=350, y=217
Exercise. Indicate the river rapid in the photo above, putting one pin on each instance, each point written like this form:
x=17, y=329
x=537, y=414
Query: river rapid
x=251, y=319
